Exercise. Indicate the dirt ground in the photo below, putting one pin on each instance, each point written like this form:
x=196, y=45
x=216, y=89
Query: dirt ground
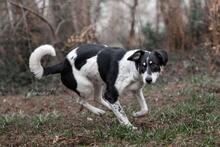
x=175, y=101
x=70, y=114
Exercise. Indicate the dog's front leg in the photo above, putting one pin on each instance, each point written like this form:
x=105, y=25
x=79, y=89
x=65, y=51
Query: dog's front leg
x=144, y=109
x=120, y=114
x=111, y=95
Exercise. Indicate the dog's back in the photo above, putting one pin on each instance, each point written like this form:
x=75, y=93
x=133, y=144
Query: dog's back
x=83, y=68
x=94, y=65
x=83, y=61
x=88, y=69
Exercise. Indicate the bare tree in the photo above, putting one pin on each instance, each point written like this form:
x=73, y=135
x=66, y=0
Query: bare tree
x=213, y=42
x=81, y=14
x=10, y=14
x=132, y=42
x=175, y=25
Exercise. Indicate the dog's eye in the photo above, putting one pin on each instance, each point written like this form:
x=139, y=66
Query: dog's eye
x=144, y=64
x=154, y=67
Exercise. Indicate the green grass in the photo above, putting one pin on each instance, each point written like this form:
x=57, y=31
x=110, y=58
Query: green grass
x=195, y=117
x=43, y=119
x=10, y=119
x=192, y=121
x=186, y=119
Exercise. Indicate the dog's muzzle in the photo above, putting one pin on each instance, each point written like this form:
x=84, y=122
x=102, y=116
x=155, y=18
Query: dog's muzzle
x=148, y=80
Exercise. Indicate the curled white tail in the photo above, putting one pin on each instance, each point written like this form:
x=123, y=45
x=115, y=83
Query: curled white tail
x=35, y=58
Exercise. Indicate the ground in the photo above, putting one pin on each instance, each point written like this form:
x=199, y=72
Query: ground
x=184, y=110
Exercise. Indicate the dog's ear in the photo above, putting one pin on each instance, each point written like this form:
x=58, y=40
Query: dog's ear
x=162, y=56
x=136, y=56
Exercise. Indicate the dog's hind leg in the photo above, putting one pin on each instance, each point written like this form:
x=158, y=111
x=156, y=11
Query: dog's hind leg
x=91, y=108
x=98, y=96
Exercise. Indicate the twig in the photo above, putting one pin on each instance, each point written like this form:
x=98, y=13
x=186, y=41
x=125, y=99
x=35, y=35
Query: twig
x=19, y=21
x=27, y=29
x=59, y=26
x=127, y=4
x=133, y=11
x=10, y=14
x=41, y=17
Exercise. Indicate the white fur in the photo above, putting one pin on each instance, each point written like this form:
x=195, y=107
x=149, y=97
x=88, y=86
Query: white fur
x=90, y=84
x=140, y=97
x=127, y=73
x=91, y=108
x=35, y=58
x=83, y=84
x=98, y=89
x=120, y=114
x=129, y=79
x=87, y=76
x=154, y=76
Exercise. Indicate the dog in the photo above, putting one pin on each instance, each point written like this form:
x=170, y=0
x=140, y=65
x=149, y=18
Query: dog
x=104, y=73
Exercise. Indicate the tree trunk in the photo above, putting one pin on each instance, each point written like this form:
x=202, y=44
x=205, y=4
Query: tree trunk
x=81, y=14
x=175, y=26
x=132, y=41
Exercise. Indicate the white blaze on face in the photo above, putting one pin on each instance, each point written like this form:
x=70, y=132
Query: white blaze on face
x=144, y=76
x=154, y=76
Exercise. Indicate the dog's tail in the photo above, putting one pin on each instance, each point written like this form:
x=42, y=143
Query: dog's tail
x=35, y=64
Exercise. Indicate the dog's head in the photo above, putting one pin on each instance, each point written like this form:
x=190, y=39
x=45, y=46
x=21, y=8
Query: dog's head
x=149, y=64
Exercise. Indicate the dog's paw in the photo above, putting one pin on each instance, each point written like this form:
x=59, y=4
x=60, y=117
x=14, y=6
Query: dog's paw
x=140, y=113
x=100, y=112
x=130, y=126
x=134, y=128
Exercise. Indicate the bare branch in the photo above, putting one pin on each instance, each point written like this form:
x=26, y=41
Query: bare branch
x=10, y=14
x=127, y=4
x=36, y=14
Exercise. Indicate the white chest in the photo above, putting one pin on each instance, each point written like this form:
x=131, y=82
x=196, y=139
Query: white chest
x=128, y=77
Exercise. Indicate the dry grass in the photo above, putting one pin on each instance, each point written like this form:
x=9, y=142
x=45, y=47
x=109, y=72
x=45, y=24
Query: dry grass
x=183, y=113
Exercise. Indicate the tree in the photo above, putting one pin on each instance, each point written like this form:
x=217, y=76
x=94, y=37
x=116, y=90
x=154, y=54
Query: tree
x=175, y=25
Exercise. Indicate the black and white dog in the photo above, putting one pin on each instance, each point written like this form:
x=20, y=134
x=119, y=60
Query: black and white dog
x=98, y=70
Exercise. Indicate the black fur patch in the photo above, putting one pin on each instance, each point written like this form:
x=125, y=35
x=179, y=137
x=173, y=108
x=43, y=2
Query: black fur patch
x=154, y=63
x=108, y=68
x=140, y=59
x=162, y=56
x=67, y=77
x=85, y=52
x=141, y=64
x=54, y=69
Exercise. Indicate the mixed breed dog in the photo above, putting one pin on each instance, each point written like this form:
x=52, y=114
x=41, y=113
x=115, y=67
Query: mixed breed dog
x=104, y=73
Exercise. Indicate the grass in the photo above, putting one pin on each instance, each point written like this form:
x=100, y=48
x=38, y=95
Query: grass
x=43, y=119
x=185, y=119
x=194, y=120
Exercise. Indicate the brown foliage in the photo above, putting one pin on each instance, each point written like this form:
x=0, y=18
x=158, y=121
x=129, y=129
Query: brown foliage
x=175, y=25
x=25, y=25
x=87, y=35
x=213, y=36
x=81, y=14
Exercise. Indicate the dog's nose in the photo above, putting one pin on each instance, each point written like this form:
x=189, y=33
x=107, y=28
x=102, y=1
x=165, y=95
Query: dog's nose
x=148, y=80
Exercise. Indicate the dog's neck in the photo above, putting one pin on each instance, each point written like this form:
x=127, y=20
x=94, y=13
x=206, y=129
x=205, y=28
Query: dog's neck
x=129, y=67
